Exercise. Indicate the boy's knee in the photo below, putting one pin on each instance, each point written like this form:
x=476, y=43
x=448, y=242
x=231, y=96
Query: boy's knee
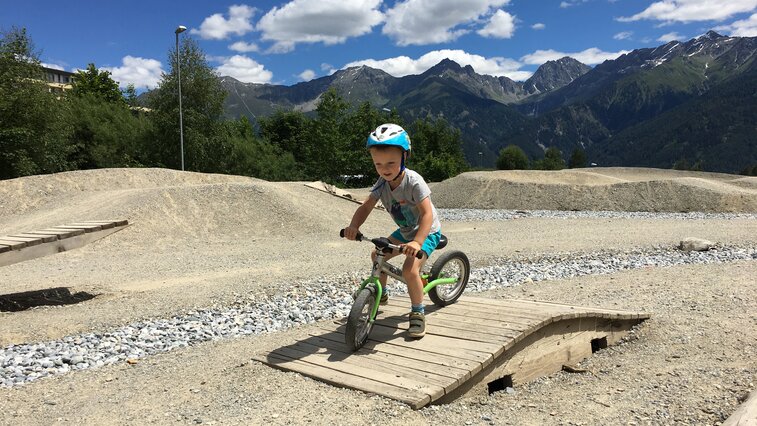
x=410, y=269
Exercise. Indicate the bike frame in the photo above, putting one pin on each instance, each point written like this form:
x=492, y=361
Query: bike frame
x=382, y=265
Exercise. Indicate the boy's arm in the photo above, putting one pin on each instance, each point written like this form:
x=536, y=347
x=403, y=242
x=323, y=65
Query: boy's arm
x=361, y=214
x=425, y=221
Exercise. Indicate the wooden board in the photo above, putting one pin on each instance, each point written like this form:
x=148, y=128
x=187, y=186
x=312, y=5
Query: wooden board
x=470, y=340
x=32, y=244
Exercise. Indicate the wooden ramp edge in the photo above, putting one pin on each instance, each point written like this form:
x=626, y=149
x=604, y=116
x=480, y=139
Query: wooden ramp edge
x=469, y=346
x=338, y=192
x=30, y=245
x=745, y=414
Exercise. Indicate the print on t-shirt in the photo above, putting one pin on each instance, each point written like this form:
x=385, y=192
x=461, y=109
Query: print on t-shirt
x=398, y=213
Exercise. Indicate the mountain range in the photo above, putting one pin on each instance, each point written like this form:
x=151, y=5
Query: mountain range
x=691, y=103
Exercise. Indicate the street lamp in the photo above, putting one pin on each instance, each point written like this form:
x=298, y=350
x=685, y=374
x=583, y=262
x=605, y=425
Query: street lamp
x=180, y=29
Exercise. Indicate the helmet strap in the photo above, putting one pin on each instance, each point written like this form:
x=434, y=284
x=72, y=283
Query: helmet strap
x=402, y=166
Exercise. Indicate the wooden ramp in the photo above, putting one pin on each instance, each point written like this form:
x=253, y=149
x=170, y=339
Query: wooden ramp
x=473, y=346
x=29, y=245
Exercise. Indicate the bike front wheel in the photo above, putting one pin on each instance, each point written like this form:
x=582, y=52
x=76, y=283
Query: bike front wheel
x=359, y=322
x=453, y=264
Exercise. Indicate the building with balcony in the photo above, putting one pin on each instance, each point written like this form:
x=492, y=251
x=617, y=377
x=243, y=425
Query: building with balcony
x=58, y=80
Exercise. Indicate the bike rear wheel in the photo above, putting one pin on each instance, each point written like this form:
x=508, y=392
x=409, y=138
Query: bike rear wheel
x=359, y=322
x=452, y=264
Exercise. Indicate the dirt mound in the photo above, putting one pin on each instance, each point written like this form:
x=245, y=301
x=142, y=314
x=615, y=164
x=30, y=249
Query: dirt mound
x=619, y=189
x=165, y=204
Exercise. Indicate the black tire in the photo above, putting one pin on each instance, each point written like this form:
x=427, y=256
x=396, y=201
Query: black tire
x=452, y=263
x=358, y=322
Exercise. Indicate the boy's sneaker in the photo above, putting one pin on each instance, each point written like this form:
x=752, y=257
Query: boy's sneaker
x=384, y=299
x=417, y=324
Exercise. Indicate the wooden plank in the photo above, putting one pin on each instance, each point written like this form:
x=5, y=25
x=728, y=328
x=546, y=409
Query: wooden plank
x=102, y=225
x=463, y=366
x=434, y=342
x=457, y=309
x=116, y=222
x=87, y=228
x=506, y=321
x=29, y=241
x=455, y=325
x=389, y=364
x=517, y=305
x=390, y=358
x=14, y=245
x=44, y=234
x=634, y=315
x=65, y=233
x=431, y=344
x=4, y=248
x=44, y=238
x=337, y=378
x=364, y=371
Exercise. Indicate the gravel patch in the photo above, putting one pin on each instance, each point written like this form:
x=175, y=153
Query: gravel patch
x=464, y=215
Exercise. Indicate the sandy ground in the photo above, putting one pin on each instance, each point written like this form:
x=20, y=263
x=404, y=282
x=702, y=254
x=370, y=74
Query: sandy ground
x=201, y=240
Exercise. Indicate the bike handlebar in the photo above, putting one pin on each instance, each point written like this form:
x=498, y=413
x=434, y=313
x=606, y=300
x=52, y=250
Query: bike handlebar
x=375, y=241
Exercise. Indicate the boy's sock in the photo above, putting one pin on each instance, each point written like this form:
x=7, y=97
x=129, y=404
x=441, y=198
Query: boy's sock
x=418, y=308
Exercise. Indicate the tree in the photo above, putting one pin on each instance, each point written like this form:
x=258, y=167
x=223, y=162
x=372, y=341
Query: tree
x=437, y=152
x=577, y=159
x=202, y=107
x=96, y=84
x=130, y=95
x=252, y=156
x=552, y=160
x=33, y=133
x=106, y=134
x=512, y=157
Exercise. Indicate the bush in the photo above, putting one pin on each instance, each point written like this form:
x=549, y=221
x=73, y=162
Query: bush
x=552, y=160
x=512, y=157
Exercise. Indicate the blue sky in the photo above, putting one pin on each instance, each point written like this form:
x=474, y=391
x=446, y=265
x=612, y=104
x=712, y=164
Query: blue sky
x=285, y=42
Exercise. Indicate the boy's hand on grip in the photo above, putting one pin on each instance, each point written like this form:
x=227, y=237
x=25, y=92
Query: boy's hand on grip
x=411, y=249
x=350, y=233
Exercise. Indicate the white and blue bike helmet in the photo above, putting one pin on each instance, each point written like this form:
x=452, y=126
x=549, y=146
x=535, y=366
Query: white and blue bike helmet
x=391, y=135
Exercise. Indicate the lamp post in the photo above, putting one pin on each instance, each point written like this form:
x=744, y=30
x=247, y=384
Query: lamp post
x=180, y=29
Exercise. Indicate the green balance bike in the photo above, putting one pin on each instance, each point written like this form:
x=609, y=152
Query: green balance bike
x=444, y=285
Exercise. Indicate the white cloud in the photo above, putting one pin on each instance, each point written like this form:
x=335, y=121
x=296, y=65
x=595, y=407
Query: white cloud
x=501, y=25
x=692, y=10
x=418, y=22
x=670, y=37
x=216, y=27
x=140, y=72
x=244, y=47
x=318, y=21
x=538, y=26
x=625, y=35
x=403, y=65
x=744, y=28
x=245, y=70
x=53, y=66
x=307, y=75
x=589, y=56
x=569, y=3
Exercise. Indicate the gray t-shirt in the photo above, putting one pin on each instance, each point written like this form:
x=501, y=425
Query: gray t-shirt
x=402, y=202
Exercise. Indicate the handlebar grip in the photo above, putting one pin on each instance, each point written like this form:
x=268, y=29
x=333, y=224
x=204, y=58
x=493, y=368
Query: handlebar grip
x=358, y=237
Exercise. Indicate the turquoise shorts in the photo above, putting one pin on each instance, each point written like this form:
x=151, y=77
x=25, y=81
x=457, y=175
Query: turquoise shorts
x=428, y=246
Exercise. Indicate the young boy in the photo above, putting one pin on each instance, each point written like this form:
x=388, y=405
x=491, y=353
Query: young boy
x=405, y=195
